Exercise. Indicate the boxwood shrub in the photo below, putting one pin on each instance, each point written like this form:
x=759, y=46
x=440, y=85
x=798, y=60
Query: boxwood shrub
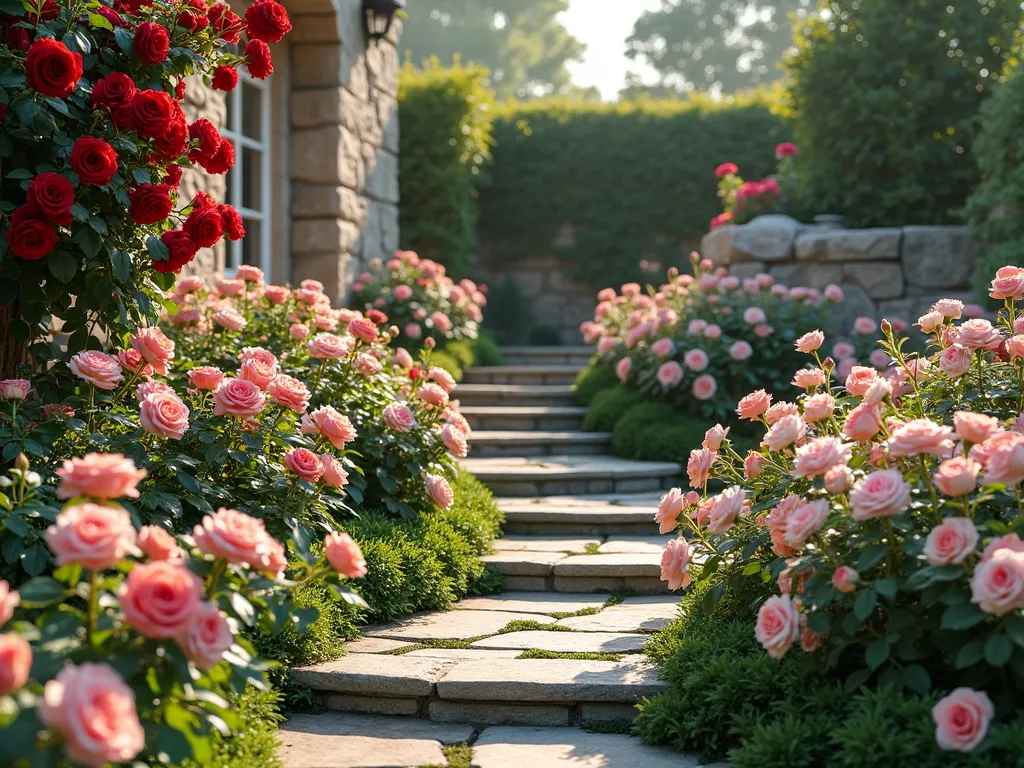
x=607, y=407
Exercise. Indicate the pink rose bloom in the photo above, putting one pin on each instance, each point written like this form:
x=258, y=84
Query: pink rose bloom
x=670, y=373
x=637, y=333
x=100, y=476
x=754, y=405
x=883, y=493
x=930, y=321
x=975, y=427
x=779, y=410
x=402, y=359
x=606, y=294
x=810, y=341
x=997, y=586
x=957, y=476
x=334, y=473
x=1008, y=283
x=763, y=330
x=258, y=366
x=862, y=423
x=238, y=397
x=402, y=292
x=93, y=536
x=754, y=316
x=921, y=437
x=454, y=440
x=328, y=422
x=978, y=334
x=752, y=465
x=623, y=367
x=704, y=387
x=819, y=407
x=399, y=417
x=740, y=350
x=312, y=285
x=15, y=663
x=696, y=327
x=158, y=544
x=819, y=456
x=327, y=346
x=94, y=710
x=439, y=491
x=844, y=579
x=606, y=345
x=783, y=433
x=250, y=274
x=671, y=506
x=367, y=365
x=810, y=641
x=727, y=506
x=156, y=348
x=289, y=392
x=698, y=467
x=164, y=414
x=344, y=555
x=230, y=319
x=229, y=287
x=663, y=347
x=675, y=564
x=159, y=599
x=1004, y=458
x=441, y=377
x=877, y=392
x=713, y=437
x=9, y=600
x=363, y=329
x=950, y=309
x=860, y=380
x=631, y=289
x=1010, y=541
x=206, y=377
x=962, y=719
x=805, y=521
x=15, y=389
x=147, y=388
x=809, y=378
x=207, y=637
x=879, y=359
x=441, y=321
x=696, y=360
x=309, y=296
x=235, y=536
x=298, y=331
x=955, y=360
x=834, y=293
x=713, y=331
x=864, y=326
x=304, y=463
x=433, y=395
x=1015, y=347
x=276, y=294
x=98, y=368
x=951, y=542
x=413, y=330
x=189, y=284
x=778, y=625
x=838, y=479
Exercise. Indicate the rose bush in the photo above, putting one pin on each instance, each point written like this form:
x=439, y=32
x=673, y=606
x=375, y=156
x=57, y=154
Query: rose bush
x=744, y=200
x=884, y=510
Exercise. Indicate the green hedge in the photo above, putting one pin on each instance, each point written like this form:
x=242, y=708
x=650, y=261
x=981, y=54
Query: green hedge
x=446, y=115
x=634, y=179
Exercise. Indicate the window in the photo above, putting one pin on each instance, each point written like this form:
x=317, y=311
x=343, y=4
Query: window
x=248, y=182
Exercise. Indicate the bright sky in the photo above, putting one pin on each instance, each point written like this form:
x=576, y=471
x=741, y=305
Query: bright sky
x=604, y=25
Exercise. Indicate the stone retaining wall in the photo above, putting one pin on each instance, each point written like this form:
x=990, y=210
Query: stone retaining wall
x=884, y=272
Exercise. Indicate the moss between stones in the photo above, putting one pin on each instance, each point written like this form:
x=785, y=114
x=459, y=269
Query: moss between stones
x=526, y=625
x=539, y=653
x=571, y=614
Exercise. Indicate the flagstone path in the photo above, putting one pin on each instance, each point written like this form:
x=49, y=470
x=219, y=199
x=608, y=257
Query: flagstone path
x=518, y=676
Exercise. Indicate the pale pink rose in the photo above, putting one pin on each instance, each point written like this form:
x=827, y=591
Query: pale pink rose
x=206, y=377
x=930, y=321
x=100, y=476
x=819, y=456
x=363, y=329
x=230, y=319
x=402, y=359
x=1015, y=347
x=675, y=564
x=189, y=284
x=713, y=437
x=207, y=638
x=962, y=719
x=276, y=294
x=783, y=433
x=877, y=392
x=98, y=368
x=779, y=410
x=997, y=586
x=413, y=330
x=753, y=405
x=249, y=274
x=951, y=542
x=229, y=287
x=623, y=367
x=441, y=321
x=957, y=476
x=328, y=422
x=154, y=347
x=740, y=350
x=15, y=663
x=312, y=285
x=439, y=491
x=846, y=366
x=978, y=334
x=838, y=479
x=883, y=493
x=433, y=395
x=778, y=625
x=950, y=309
x=834, y=293
x=860, y=380
x=441, y=377
x=696, y=327
x=727, y=506
x=1004, y=458
x=763, y=330
x=402, y=292
x=327, y=346
x=663, y=347
x=698, y=467
x=94, y=710
x=258, y=366
x=754, y=316
x=862, y=423
x=696, y=359
x=955, y=360
x=799, y=293
x=864, y=326
x=1010, y=541
x=844, y=579
x=9, y=600
x=17, y=389
x=669, y=509
x=289, y=392
x=130, y=360
x=235, y=536
x=921, y=437
x=713, y=331
x=607, y=345
x=334, y=473
x=454, y=440
x=630, y=289
x=1008, y=283
x=159, y=599
x=809, y=378
x=238, y=397
x=399, y=417
x=670, y=374
x=810, y=341
x=843, y=349
x=344, y=555
x=91, y=535
x=819, y=407
x=164, y=414
x=304, y=463
x=298, y=331
x=752, y=465
x=805, y=521
x=147, y=388
x=367, y=365
x=704, y=387
x=880, y=359
x=638, y=333
x=975, y=427
x=158, y=544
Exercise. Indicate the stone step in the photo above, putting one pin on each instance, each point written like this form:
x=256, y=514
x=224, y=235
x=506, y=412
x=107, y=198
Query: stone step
x=602, y=515
x=579, y=356
x=522, y=476
x=514, y=394
x=573, y=571
x=524, y=418
x=489, y=444
x=522, y=374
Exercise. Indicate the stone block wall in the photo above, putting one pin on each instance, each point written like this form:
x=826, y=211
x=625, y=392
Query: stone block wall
x=884, y=272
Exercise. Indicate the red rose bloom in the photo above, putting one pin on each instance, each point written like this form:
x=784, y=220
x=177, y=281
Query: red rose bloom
x=223, y=161
x=225, y=78
x=181, y=248
x=28, y=237
x=202, y=201
x=173, y=176
x=112, y=16
x=114, y=91
x=50, y=197
x=206, y=133
x=51, y=69
x=49, y=11
x=151, y=43
x=179, y=90
x=174, y=142
x=151, y=113
x=267, y=20
x=232, y=219
x=227, y=23
x=93, y=160
x=205, y=227
x=376, y=316
x=193, y=15
x=150, y=203
x=260, y=64
x=17, y=38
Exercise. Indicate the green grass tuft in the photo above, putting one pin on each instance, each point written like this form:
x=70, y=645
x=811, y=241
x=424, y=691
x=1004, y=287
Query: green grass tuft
x=526, y=625
x=538, y=653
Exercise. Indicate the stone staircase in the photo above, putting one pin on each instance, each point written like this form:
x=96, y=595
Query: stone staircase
x=581, y=561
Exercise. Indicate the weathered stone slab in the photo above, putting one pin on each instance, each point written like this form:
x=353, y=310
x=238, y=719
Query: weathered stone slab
x=532, y=602
x=716, y=245
x=748, y=269
x=526, y=583
x=567, y=642
x=880, y=279
x=452, y=625
x=808, y=275
x=634, y=545
x=544, y=544
x=523, y=563
x=765, y=238
x=509, y=747
x=620, y=565
x=856, y=304
x=938, y=257
x=647, y=613
x=637, y=585
x=369, y=674
x=463, y=654
x=550, y=680
x=862, y=244
x=498, y=714
x=810, y=245
x=606, y=713
x=372, y=705
x=375, y=645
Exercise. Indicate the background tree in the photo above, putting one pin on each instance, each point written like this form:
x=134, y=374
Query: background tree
x=708, y=45
x=522, y=42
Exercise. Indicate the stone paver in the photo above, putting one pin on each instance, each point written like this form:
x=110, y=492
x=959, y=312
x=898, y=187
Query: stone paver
x=646, y=613
x=569, y=467
x=532, y=602
x=629, y=565
x=545, y=544
x=453, y=625
x=367, y=674
x=376, y=645
x=480, y=713
x=634, y=544
x=567, y=642
x=464, y=654
x=523, y=563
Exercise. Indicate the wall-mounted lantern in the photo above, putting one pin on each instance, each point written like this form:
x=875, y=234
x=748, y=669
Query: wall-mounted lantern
x=378, y=15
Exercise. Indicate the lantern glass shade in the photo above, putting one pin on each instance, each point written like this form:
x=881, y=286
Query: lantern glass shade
x=378, y=15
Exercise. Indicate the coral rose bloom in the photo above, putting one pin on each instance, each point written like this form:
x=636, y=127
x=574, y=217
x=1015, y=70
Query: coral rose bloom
x=783, y=433
x=99, y=475
x=962, y=719
x=237, y=537
x=328, y=422
x=158, y=544
x=883, y=493
x=1008, y=283
x=809, y=378
x=439, y=491
x=951, y=542
x=975, y=427
x=334, y=473
x=160, y=598
x=156, y=348
x=819, y=407
x=207, y=637
x=399, y=417
x=860, y=380
x=957, y=476
x=698, y=466
x=327, y=346
x=15, y=663
x=669, y=509
x=98, y=368
x=675, y=564
x=164, y=414
x=810, y=341
x=238, y=397
x=304, y=463
x=93, y=536
x=726, y=507
x=9, y=600
x=94, y=710
x=289, y=393
x=754, y=405
x=258, y=366
x=455, y=441
x=778, y=625
x=298, y=332
x=205, y=377
x=978, y=334
x=433, y=395
x=713, y=437
x=804, y=521
x=344, y=555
